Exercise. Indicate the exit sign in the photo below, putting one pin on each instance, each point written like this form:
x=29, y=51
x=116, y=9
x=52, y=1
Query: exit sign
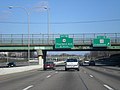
x=101, y=41
x=64, y=42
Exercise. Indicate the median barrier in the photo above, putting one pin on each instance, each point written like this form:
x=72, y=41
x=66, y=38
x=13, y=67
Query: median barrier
x=11, y=70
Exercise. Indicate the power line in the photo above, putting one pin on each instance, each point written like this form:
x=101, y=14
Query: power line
x=74, y=22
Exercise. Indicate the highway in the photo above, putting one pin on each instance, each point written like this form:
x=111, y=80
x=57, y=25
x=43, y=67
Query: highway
x=88, y=78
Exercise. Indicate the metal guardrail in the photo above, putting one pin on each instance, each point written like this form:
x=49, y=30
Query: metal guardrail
x=45, y=39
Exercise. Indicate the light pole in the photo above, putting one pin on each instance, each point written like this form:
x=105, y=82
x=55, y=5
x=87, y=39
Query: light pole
x=48, y=19
x=28, y=21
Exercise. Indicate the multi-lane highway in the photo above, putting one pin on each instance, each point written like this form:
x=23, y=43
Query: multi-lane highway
x=88, y=78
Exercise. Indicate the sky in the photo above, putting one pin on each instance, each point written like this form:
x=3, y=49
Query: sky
x=67, y=52
x=64, y=16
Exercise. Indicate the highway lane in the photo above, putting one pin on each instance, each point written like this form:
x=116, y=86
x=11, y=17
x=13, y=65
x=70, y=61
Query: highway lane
x=85, y=79
x=109, y=71
x=107, y=76
x=112, y=68
x=18, y=81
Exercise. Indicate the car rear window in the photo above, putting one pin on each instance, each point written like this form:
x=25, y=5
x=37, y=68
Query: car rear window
x=71, y=60
x=92, y=61
x=49, y=62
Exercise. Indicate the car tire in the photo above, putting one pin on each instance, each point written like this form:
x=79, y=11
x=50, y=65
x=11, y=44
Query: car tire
x=78, y=69
x=65, y=69
x=53, y=68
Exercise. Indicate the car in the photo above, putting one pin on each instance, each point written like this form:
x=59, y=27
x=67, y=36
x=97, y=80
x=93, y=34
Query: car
x=71, y=64
x=49, y=65
x=11, y=64
x=86, y=63
x=92, y=63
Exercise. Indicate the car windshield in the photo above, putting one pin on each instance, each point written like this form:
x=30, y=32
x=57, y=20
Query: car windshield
x=92, y=61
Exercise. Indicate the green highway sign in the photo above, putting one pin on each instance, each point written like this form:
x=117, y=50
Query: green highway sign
x=101, y=41
x=64, y=36
x=101, y=37
x=64, y=42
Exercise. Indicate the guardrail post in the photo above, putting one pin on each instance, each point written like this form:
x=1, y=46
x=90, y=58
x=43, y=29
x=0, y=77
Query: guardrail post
x=32, y=39
x=83, y=38
x=115, y=38
x=22, y=39
x=1, y=38
x=11, y=39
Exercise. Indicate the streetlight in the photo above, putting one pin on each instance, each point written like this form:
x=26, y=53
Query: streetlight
x=28, y=21
x=48, y=18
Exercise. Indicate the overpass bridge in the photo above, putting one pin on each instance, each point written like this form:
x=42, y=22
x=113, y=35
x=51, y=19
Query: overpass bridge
x=56, y=42
x=81, y=42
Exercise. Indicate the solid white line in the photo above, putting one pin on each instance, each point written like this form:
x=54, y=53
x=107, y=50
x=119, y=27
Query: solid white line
x=48, y=76
x=28, y=87
x=91, y=75
x=108, y=87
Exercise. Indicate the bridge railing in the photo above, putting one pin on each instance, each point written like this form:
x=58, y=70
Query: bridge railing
x=45, y=39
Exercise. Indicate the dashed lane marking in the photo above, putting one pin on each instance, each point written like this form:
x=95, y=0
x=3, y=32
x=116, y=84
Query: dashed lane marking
x=91, y=76
x=108, y=87
x=48, y=76
x=28, y=87
x=56, y=72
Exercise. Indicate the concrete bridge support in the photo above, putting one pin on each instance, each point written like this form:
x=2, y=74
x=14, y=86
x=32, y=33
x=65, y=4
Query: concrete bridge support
x=42, y=57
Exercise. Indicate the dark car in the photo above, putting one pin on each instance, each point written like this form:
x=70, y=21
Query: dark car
x=49, y=65
x=11, y=64
x=92, y=63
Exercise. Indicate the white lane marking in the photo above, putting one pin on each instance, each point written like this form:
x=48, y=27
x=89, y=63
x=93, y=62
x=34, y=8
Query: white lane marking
x=56, y=72
x=48, y=76
x=28, y=87
x=108, y=87
x=91, y=75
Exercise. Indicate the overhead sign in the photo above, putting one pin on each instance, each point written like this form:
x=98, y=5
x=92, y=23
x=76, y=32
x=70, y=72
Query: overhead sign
x=101, y=41
x=64, y=42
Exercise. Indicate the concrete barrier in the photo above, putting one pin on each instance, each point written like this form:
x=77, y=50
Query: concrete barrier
x=10, y=70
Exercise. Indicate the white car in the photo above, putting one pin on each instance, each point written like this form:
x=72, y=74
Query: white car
x=86, y=62
x=71, y=64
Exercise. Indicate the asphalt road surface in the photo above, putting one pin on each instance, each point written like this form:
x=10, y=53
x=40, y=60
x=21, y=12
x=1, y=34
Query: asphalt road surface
x=88, y=78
